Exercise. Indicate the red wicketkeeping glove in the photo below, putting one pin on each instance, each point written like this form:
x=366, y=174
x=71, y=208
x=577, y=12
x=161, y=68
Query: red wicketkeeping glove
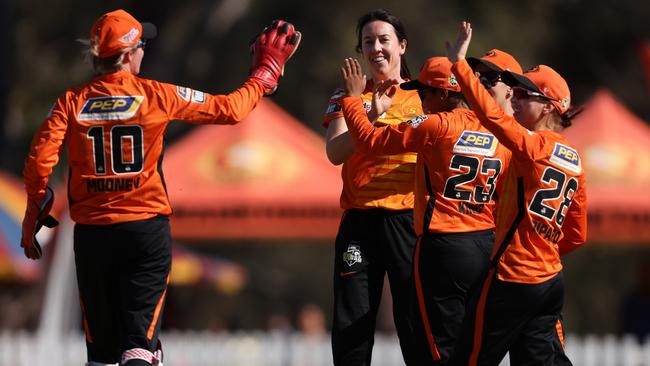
x=36, y=216
x=271, y=50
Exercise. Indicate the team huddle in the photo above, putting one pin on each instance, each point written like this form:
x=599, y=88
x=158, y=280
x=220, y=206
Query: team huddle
x=457, y=185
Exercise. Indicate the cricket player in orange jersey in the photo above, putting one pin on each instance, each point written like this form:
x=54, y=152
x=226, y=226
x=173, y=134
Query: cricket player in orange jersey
x=458, y=168
x=114, y=127
x=542, y=215
x=376, y=235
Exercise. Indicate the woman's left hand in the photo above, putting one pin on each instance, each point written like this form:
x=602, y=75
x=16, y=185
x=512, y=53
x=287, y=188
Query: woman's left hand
x=382, y=98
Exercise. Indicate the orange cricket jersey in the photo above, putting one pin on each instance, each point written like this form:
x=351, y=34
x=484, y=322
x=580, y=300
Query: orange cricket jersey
x=379, y=180
x=458, y=167
x=542, y=212
x=114, y=127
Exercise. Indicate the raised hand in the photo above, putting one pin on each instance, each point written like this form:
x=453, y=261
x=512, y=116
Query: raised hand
x=354, y=81
x=271, y=50
x=382, y=98
x=459, y=49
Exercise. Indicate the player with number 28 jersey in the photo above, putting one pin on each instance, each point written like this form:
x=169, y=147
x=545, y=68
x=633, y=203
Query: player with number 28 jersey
x=541, y=215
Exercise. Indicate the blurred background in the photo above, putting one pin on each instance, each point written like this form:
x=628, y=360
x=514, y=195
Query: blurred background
x=256, y=205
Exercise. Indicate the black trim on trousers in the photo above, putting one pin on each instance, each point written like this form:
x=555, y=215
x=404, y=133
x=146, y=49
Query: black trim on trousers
x=431, y=202
x=521, y=210
x=159, y=167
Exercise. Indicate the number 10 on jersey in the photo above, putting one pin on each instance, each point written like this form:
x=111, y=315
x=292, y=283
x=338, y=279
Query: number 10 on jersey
x=126, y=149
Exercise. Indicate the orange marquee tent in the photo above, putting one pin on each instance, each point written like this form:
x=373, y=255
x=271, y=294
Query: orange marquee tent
x=614, y=146
x=265, y=178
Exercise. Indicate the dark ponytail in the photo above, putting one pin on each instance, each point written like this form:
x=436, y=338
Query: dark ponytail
x=400, y=32
x=570, y=114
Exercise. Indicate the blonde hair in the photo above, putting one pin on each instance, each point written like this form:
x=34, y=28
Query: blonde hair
x=108, y=65
x=103, y=65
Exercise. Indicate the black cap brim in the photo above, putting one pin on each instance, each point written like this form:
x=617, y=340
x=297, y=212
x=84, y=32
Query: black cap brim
x=413, y=85
x=519, y=81
x=473, y=62
x=149, y=31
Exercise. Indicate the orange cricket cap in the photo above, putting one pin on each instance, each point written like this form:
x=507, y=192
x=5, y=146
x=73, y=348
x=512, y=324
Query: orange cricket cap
x=116, y=32
x=496, y=60
x=544, y=82
x=435, y=73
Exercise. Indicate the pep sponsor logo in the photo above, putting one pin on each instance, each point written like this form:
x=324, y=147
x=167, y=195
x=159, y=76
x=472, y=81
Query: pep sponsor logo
x=110, y=108
x=478, y=143
x=566, y=157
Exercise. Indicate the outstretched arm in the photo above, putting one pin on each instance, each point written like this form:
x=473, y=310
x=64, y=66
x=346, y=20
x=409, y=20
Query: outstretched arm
x=271, y=50
x=507, y=130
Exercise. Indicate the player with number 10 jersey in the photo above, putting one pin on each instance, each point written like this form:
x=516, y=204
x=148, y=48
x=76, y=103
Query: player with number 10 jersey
x=115, y=129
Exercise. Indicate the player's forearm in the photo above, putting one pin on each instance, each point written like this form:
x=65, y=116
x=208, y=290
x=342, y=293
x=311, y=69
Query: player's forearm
x=235, y=107
x=571, y=242
x=366, y=136
x=575, y=224
x=43, y=156
x=339, y=148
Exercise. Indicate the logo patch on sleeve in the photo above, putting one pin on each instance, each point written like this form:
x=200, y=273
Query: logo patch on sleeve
x=477, y=143
x=184, y=92
x=198, y=97
x=566, y=157
x=333, y=107
x=110, y=108
x=415, y=122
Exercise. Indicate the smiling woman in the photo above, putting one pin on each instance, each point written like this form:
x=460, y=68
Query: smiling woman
x=383, y=44
x=376, y=235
